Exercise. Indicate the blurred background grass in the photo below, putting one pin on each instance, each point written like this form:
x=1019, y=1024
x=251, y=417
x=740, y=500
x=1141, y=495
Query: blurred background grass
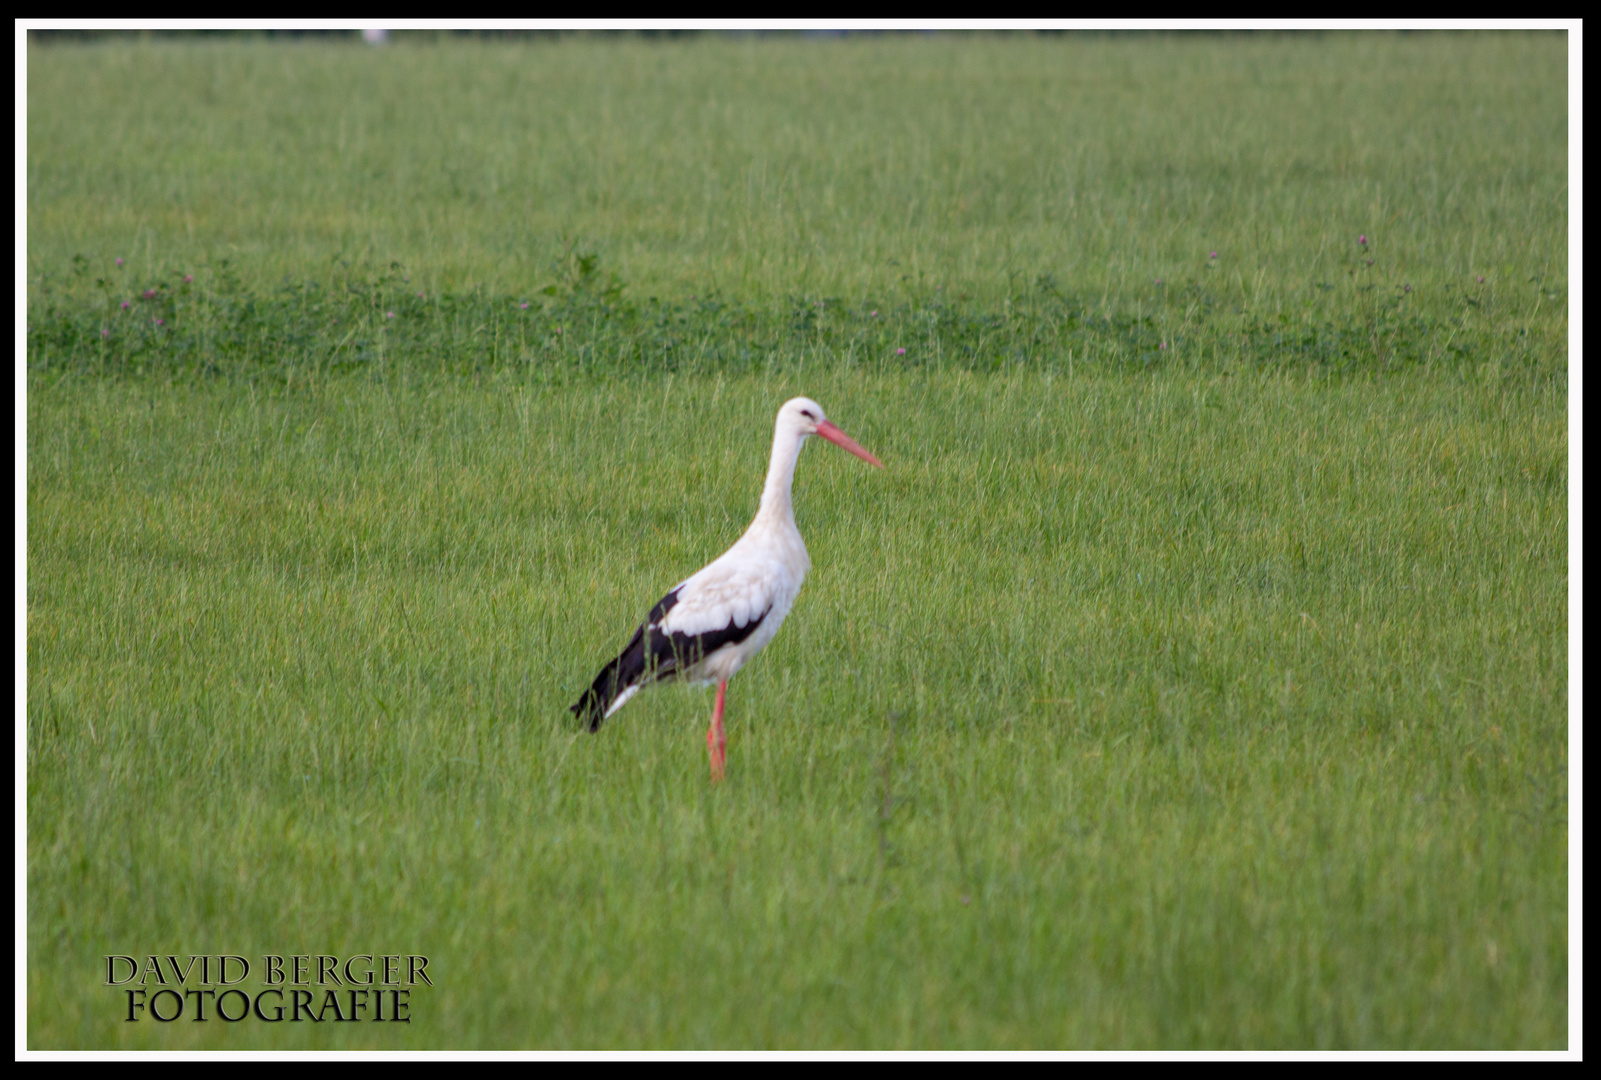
x=768, y=166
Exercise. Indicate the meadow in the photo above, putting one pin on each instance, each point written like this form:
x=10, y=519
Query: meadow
x=1194, y=675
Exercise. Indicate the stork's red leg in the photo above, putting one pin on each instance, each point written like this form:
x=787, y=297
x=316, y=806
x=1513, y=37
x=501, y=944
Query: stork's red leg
x=716, y=739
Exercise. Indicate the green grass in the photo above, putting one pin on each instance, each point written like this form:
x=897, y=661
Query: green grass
x=1194, y=675
x=763, y=167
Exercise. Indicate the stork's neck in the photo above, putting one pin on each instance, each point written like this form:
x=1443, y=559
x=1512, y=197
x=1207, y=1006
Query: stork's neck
x=776, y=508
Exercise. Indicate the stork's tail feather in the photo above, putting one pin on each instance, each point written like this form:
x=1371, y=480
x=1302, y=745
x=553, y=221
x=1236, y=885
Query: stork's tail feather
x=591, y=709
x=616, y=683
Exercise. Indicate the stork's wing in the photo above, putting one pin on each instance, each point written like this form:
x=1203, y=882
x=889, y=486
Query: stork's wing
x=721, y=605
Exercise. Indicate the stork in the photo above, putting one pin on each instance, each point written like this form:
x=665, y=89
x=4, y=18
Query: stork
x=710, y=624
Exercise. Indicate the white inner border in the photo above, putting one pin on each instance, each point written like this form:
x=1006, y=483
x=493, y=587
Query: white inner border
x=1574, y=28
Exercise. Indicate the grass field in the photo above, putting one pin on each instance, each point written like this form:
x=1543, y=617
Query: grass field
x=1194, y=676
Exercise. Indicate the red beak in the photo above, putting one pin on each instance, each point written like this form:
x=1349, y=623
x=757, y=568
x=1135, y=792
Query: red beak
x=834, y=435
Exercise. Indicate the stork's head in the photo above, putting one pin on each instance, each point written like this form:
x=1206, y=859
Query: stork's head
x=805, y=417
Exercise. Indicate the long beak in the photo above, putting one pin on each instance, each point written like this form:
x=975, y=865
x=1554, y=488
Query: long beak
x=834, y=435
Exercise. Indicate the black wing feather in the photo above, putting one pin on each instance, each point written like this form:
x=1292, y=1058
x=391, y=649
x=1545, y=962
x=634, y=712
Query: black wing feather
x=652, y=656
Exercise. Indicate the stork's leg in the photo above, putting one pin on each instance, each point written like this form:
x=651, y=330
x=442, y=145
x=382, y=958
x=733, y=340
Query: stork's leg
x=716, y=739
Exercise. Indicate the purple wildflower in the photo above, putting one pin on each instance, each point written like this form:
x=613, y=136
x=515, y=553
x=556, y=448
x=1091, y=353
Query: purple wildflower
x=900, y=352
x=389, y=314
x=150, y=294
x=1212, y=256
x=1481, y=279
x=523, y=305
x=119, y=260
x=105, y=333
x=874, y=313
x=1363, y=239
x=188, y=278
x=161, y=322
x=126, y=305
x=1406, y=288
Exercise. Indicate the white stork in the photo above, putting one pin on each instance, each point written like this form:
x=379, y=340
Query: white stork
x=710, y=624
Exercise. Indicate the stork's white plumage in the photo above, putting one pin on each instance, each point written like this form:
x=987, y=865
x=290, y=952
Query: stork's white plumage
x=707, y=627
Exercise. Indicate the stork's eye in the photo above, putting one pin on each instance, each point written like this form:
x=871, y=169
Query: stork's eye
x=808, y=414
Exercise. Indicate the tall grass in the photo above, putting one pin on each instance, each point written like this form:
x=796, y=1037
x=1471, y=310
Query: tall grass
x=1194, y=675
x=1201, y=712
x=766, y=167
